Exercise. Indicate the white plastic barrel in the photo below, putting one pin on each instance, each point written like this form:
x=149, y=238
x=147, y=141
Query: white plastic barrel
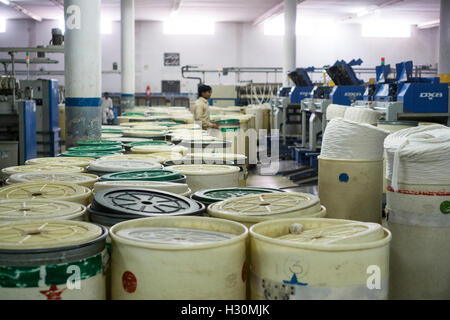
x=65, y=161
x=145, y=157
x=47, y=190
x=82, y=179
x=40, y=209
x=351, y=189
x=419, y=219
x=49, y=168
x=200, y=176
x=116, y=165
x=252, y=209
x=52, y=260
x=173, y=187
x=178, y=258
x=319, y=259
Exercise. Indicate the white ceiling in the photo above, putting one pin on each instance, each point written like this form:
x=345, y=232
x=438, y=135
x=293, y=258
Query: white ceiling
x=410, y=11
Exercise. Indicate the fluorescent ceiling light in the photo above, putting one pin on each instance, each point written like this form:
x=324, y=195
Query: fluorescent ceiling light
x=429, y=24
x=192, y=26
x=2, y=25
x=385, y=29
x=5, y=2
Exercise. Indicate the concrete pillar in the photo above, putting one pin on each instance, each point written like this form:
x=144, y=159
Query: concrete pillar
x=290, y=17
x=128, y=56
x=82, y=64
x=444, y=42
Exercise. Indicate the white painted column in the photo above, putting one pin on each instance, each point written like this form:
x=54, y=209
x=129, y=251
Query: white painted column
x=444, y=39
x=128, y=54
x=82, y=64
x=290, y=17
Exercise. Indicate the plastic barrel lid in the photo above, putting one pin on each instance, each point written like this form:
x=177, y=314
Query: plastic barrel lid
x=215, y=195
x=228, y=122
x=144, y=202
x=178, y=188
x=133, y=114
x=43, y=168
x=123, y=165
x=156, y=148
x=45, y=190
x=148, y=157
x=173, y=236
x=168, y=155
x=39, y=209
x=74, y=161
x=106, y=148
x=77, y=178
x=98, y=143
x=331, y=232
x=144, y=133
x=46, y=234
x=126, y=140
x=106, y=136
x=113, y=131
x=203, y=169
x=217, y=156
x=149, y=143
x=146, y=175
x=267, y=204
x=88, y=154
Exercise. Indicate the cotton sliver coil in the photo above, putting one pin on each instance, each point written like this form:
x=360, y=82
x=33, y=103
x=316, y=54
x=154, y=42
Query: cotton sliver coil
x=336, y=111
x=344, y=139
x=362, y=115
x=418, y=155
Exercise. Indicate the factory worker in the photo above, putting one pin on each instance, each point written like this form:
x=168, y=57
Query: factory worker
x=107, y=109
x=201, y=107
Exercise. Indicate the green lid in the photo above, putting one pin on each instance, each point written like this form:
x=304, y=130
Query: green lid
x=133, y=114
x=148, y=143
x=215, y=195
x=143, y=175
x=107, y=148
x=98, y=143
x=88, y=154
x=229, y=122
x=112, y=131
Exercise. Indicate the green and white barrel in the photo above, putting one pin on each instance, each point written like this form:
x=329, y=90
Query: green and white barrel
x=40, y=209
x=146, y=175
x=177, y=188
x=228, y=125
x=90, y=143
x=53, y=260
x=319, y=259
x=97, y=148
x=96, y=155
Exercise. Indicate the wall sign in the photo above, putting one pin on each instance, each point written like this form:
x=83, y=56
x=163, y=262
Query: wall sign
x=171, y=59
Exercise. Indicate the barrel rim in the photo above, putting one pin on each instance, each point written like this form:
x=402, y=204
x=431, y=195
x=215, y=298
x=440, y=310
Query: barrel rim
x=332, y=247
x=166, y=247
x=350, y=160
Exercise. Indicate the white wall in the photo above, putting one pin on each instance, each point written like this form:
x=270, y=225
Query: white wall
x=233, y=45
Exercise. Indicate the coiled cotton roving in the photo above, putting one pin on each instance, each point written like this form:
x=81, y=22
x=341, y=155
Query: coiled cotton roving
x=345, y=139
x=362, y=115
x=336, y=111
x=418, y=155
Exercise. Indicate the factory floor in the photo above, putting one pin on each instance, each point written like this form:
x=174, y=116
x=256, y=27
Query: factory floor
x=256, y=179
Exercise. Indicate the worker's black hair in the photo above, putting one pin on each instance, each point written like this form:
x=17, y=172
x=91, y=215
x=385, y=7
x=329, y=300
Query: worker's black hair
x=203, y=88
x=106, y=93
